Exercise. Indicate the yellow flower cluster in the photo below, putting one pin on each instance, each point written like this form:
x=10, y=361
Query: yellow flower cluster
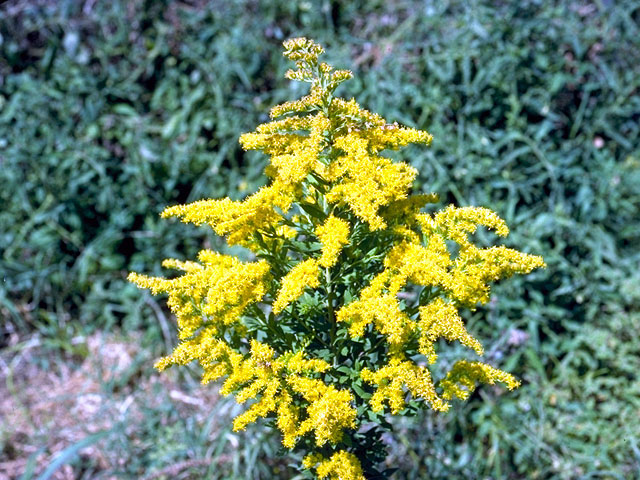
x=466, y=374
x=333, y=202
x=305, y=53
x=306, y=104
x=278, y=381
x=404, y=213
x=304, y=275
x=302, y=51
x=383, y=311
x=333, y=234
x=439, y=319
x=366, y=182
x=211, y=294
x=294, y=156
x=391, y=380
x=352, y=117
x=329, y=411
x=460, y=382
x=474, y=268
x=238, y=220
x=456, y=223
x=464, y=279
x=342, y=465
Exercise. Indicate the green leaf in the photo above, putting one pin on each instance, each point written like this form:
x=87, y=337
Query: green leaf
x=69, y=453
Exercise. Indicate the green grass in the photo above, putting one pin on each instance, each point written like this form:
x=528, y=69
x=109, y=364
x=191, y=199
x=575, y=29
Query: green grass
x=109, y=111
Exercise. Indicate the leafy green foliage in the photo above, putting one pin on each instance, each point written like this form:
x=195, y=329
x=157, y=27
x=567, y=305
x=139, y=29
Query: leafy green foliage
x=534, y=111
x=99, y=115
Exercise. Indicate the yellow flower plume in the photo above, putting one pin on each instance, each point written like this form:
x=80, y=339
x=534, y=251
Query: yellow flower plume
x=349, y=287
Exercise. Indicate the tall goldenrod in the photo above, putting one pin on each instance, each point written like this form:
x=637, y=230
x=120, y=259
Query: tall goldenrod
x=340, y=313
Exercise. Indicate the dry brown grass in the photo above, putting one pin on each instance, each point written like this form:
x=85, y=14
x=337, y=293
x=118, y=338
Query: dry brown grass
x=48, y=405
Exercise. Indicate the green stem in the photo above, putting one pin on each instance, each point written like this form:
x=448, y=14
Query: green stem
x=331, y=314
x=375, y=347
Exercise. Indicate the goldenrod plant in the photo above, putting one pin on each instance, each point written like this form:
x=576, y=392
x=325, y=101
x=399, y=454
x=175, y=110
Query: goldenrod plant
x=337, y=319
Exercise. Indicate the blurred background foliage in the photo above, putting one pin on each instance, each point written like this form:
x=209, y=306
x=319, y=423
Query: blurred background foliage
x=109, y=111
